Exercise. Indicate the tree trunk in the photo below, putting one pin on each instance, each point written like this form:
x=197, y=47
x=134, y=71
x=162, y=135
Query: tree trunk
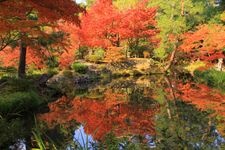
x=22, y=60
x=118, y=40
x=172, y=57
x=220, y=64
x=182, y=7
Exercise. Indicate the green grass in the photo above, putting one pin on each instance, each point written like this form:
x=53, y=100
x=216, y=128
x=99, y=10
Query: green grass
x=212, y=78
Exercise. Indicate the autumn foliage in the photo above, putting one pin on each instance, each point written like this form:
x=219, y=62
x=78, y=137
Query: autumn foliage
x=99, y=29
x=206, y=43
x=14, y=13
x=100, y=117
x=204, y=98
x=96, y=29
x=32, y=25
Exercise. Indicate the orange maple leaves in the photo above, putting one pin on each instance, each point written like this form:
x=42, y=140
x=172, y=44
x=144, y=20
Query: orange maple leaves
x=27, y=20
x=98, y=28
x=207, y=43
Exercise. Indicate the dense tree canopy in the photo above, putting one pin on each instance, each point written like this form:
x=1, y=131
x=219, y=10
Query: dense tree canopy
x=26, y=22
x=111, y=62
x=207, y=43
x=136, y=27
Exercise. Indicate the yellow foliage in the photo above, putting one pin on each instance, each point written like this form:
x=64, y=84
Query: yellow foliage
x=194, y=66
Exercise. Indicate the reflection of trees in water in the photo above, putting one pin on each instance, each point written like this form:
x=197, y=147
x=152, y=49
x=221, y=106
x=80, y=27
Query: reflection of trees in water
x=141, y=97
x=100, y=117
x=204, y=98
x=11, y=131
x=56, y=137
x=127, y=109
x=186, y=128
x=185, y=125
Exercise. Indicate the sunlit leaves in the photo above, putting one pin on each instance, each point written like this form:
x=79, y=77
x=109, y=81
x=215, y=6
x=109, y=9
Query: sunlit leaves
x=206, y=43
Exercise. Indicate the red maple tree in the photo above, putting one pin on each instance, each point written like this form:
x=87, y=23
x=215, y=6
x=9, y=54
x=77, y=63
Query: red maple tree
x=206, y=43
x=99, y=29
x=25, y=22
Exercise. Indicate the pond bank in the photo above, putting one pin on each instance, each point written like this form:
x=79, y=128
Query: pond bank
x=84, y=72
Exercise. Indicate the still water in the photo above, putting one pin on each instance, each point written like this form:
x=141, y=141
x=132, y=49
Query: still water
x=134, y=113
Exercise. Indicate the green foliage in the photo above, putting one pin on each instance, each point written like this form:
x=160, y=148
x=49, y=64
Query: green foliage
x=52, y=71
x=111, y=142
x=138, y=47
x=81, y=52
x=161, y=97
x=18, y=96
x=58, y=137
x=90, y=2
x=52, y=62
x=33, y=71
x=173, y=19
x=81, y=92
x=38, y=139
x=79, y=67
x=97, y=56
x=11, y=131
x=33, y=16
x=18, y=101
x=212, y=78
x=7, y=72
x=137, y=98
x=14, y=84
x=51, y=39
x=186, y=127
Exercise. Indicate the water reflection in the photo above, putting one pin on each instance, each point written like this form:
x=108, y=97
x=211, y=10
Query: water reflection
x=100, y=117
x=204, y=98
x=154, y=113
x=83, y=140
x=86, y=141
x=20, y=145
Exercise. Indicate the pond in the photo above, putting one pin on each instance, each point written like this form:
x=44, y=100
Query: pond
x=153, y=112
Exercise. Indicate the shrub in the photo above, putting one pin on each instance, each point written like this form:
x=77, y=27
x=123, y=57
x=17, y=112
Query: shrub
x=18, y=102
x=81, y=52
x=212, y=78
x=79, y=67
x=11, y=85
x=18, y=95
x=52, y=71
x=97, y=56
x=52, y=62
x=194, y=66
x=8, y=72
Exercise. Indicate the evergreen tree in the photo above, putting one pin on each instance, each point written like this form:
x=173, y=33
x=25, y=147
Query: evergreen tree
x=176, y=17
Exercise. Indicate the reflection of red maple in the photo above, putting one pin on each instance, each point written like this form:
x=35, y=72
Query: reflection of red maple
x=203, y=98
x=102, y=116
